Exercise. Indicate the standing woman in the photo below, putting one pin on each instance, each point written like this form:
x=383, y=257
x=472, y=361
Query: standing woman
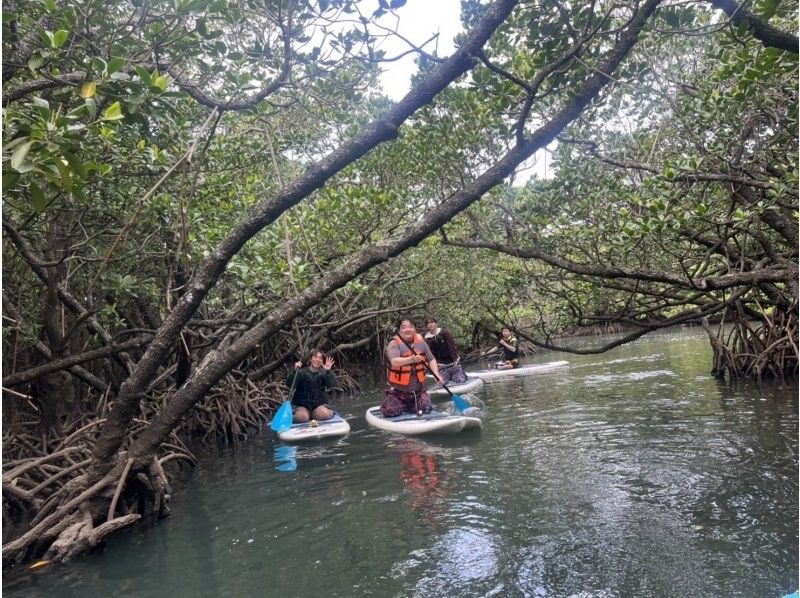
x=406, y=354
x=312, y=385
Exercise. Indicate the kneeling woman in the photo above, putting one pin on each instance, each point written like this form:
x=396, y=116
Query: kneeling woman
x=312, y=385
x=406, y=354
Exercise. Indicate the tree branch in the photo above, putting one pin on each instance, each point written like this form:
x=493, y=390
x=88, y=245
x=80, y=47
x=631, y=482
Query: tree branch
x=218, y=363
x=736, y=279
x=67, y=362
x=768, y=35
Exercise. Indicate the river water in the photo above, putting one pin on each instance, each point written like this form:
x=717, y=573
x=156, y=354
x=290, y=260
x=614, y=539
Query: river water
x=631, y=473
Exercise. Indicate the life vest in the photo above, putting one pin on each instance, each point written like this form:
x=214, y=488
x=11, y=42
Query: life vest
x=402, y=376
x=507, y=353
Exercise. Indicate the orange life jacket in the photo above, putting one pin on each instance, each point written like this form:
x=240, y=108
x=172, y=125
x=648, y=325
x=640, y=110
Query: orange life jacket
x=402, y=376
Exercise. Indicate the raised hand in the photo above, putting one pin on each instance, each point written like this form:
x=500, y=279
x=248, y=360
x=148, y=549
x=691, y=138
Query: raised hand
x=328, y=363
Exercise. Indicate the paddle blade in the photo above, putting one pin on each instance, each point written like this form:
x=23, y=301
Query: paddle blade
x=282, y=420
x=460, y=403
x=286, y=457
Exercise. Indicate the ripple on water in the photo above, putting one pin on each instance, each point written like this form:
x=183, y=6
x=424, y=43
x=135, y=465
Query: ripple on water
x=459, y=561
x=607, y=379
x=633, y=476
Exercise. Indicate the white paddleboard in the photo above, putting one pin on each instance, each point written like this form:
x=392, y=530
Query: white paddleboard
x=523, y=370
x=471, y=385
x=336, y=426
x=411, y=424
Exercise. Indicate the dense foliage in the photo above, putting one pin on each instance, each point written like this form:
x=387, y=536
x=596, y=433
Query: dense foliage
x=197, y=192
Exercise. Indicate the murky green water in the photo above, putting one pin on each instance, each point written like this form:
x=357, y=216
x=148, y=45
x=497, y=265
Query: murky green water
x=632, y=473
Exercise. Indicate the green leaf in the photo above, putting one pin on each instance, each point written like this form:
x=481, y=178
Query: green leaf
x=99, y=65
x=47, y=37
x=39, y=199
x=9, y=180
x=75, y=163
x=143, y=75
x=77, y=192
x=19, y=155
x=50, y=5
x=161, y=82
x=76, y=112
x=59, y=37
x=766, y=9
x=113, y=112
x=35, y=61
x=91, y=107
x=65, y=174
x=115, y=64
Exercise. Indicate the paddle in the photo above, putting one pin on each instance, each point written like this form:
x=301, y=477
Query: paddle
x=282, y=420
x=460, y=402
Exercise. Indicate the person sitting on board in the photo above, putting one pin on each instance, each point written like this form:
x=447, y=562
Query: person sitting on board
x=407, y=353
x=510, y=347
x=443, y=347
x=310, y=399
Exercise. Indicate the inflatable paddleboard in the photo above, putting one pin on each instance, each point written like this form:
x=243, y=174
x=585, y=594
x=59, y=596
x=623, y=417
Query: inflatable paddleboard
x=433, y=422
x=471, y=385
x=336, y=426
x=523, y=370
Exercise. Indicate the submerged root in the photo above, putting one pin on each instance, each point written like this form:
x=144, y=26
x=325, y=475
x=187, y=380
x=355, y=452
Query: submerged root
x=46, y=479
x=82, y=536
x=766, y=349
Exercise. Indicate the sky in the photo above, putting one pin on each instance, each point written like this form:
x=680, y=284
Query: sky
x=418, y=21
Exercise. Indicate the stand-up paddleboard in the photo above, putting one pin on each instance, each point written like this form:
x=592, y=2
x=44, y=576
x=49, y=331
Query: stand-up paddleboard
x=471, y=385
x=336, y=426
x=411, y=424
x=523, y=370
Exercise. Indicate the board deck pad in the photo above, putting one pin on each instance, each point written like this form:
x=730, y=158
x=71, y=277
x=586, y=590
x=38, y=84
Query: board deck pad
x=412, y=424
x=336, y=426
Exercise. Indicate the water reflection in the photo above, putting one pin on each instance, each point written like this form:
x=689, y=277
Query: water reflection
x=285, y=457
x=423, y=476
